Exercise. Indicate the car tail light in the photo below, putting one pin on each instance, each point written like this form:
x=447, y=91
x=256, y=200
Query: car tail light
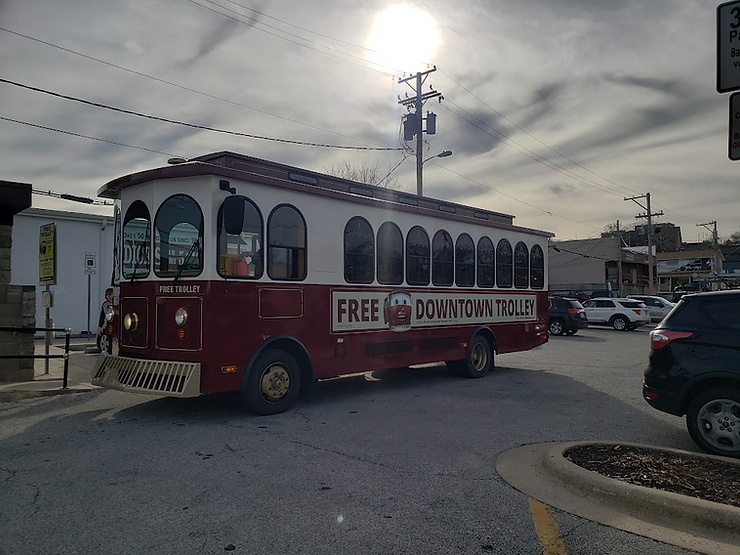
x=661, y=338
x=574, y=310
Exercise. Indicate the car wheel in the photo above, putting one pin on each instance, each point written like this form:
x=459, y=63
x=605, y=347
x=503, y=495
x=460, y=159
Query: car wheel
x=556, y=327
x=713, y=421
x=103, y=341
x=273, y=383
x=620, y=323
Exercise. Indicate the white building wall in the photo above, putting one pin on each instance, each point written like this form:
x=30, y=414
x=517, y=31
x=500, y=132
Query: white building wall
x=77, y=234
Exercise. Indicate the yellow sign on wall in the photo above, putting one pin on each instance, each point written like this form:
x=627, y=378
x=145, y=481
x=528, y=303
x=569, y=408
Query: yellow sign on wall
x=47, y=254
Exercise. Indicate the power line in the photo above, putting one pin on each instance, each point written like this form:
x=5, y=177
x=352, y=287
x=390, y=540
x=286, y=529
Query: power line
x=549, y=147
x=253, y=24
x=512, y=197
x=164, y=81
x=530, y=135
x=193, y=125
x=536, y=157
x=74, y=198
x=256, y=21
x=87, y=137
x=529, y=153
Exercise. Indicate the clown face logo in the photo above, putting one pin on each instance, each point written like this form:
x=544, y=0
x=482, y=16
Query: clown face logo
x=397, y=310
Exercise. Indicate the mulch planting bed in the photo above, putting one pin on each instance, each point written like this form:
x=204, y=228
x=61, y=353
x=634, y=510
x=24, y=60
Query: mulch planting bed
x=710, y=479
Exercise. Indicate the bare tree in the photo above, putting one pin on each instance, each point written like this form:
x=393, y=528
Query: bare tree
x=370, y=174
x=735, y=238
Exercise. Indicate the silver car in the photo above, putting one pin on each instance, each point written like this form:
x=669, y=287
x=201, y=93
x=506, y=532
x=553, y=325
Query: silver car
x=659, y=307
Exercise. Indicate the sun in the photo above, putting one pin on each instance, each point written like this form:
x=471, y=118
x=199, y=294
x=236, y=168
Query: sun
x=403, y=38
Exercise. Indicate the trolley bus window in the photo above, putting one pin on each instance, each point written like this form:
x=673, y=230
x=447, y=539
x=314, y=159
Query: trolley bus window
x=286, y=239
x=178, y=238
x=136, y=238
x=485, y=262
x=537, y=268
x=390, y=254
x=464, y=261
x=417, y=257
x=240, y=253
x=504, y=264
x=443, y=269
x=359, y=251
x=521, y=266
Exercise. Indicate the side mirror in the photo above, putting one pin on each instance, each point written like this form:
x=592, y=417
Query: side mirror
x=232, y=211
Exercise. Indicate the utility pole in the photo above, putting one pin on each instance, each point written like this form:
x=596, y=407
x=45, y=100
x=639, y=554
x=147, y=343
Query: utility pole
x=619, y=260
x=415, y=125
x=649, y=215
x=715, y=238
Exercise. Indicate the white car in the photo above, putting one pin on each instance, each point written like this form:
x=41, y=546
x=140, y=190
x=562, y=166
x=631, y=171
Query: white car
x=621, y=314
x=659, y=307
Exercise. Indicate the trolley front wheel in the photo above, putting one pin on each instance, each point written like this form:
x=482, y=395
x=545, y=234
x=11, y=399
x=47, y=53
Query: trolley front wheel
x=273, y=383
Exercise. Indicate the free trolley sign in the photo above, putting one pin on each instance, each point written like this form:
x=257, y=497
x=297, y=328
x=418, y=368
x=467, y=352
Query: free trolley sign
x=47, y=254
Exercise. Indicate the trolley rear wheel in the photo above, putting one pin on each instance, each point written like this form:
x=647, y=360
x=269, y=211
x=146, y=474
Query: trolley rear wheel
x=478, y=360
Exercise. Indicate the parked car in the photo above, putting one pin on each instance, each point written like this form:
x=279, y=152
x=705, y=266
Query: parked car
x=621, y=314
x=694, y=369
x=658, y=306
x=566, y=316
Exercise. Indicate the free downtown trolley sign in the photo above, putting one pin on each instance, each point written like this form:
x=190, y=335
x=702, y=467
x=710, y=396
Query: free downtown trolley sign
x=47, y=254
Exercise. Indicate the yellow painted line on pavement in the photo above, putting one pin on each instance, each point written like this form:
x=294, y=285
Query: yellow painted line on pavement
x=547, y=529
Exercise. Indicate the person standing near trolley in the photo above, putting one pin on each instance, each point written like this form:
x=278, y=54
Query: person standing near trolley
x=105, y=339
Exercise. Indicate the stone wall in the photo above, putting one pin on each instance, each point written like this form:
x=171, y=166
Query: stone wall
x=17, y=309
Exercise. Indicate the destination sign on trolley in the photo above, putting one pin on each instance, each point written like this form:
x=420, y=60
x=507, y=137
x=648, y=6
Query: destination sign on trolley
x=401, y=310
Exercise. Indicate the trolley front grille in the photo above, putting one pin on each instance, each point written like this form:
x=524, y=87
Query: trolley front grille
x=154, y=377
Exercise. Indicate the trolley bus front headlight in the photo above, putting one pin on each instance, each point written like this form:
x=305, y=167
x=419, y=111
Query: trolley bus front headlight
x=181, y=316
x=131, y=321
x=110, y=312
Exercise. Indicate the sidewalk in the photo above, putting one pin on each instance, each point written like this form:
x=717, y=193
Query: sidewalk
x=82, y=356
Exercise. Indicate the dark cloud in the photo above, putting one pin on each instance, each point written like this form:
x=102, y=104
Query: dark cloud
x=470, y=131
x=561, y=189
x=544, y=101
x=216, y=36
x=656, y=84
x=642, y=121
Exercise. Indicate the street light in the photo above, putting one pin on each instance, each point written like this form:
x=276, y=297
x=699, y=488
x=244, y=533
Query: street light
x=443, y=154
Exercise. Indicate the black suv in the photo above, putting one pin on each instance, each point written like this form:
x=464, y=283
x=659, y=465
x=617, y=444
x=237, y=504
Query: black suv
x=694, y=369
x=566, y=316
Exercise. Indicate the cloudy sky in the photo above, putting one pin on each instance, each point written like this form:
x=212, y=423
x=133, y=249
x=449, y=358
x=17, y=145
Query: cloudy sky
x=555, y=110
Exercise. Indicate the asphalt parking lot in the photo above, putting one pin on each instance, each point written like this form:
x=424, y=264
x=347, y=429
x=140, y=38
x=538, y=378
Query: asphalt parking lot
x=394, y=462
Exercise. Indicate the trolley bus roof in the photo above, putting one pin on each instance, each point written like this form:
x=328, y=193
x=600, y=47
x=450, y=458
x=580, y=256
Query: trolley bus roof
x=247, y=168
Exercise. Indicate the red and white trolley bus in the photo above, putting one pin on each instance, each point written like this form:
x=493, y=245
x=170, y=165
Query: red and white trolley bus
x=239, y=274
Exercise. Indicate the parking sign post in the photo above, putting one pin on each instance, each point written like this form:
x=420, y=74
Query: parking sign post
x=90, y=271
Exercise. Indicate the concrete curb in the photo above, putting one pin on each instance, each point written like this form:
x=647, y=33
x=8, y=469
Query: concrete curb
x=719, y=518
x=21, y=394
x=543, y=472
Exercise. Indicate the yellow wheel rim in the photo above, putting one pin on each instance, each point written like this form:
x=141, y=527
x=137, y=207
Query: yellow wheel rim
x=275, y=382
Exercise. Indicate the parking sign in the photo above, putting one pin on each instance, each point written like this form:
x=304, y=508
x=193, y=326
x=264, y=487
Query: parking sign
x=728, y=46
